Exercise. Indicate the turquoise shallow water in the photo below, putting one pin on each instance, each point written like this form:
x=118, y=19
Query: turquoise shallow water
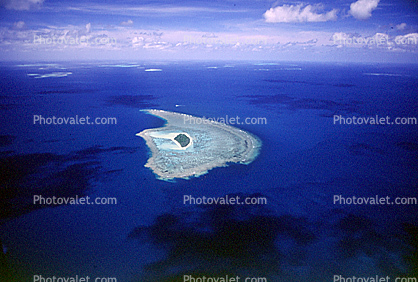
x=305, y=161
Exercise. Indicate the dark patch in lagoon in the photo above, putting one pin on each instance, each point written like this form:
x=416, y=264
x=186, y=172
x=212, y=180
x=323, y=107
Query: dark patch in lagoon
x=46, y=174
x=412, y=238
x=93, y=151
x=305, y=103
x=309, y=83
x=216, y=239
x=132, y=101
x=360, y=237
x=69, y=91
x=54, y=140
x=409, y=146
x=9, y=102
x=6, y=140
x=73, y=180
x=16, y=168
x=24, y=176
x=361, y=149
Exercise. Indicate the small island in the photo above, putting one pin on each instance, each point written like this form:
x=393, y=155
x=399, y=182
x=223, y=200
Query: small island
x=181, y=149
x=182, y=139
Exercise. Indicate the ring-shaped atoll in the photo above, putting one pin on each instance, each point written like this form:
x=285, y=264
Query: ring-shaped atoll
x=188, y=146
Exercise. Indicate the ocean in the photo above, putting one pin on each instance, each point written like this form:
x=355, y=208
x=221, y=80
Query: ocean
x=313, y=159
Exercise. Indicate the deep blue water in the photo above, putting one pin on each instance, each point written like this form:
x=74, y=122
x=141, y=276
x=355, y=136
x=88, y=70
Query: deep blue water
x=305, y=160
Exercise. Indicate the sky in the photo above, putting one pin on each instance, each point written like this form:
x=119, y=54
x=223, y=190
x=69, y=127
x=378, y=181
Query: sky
x=313, y=30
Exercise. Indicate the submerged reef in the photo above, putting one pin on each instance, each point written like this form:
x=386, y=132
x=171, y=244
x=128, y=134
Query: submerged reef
x=188, y=146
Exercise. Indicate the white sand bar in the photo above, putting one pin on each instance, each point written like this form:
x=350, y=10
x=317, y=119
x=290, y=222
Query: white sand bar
x=211, y=145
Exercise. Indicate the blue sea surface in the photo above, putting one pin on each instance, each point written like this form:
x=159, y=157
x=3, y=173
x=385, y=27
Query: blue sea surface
x=305, y=161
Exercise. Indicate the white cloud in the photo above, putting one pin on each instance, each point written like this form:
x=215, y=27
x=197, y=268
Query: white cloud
x=401, y=26
x=362, y=9
x=88, y=27
x=114, y=9
x=138, y=39
x=127, y=23
x=356, y=40
x=377, y=41
x=209, y=35
x=298, y=13
x=410, y=39
x=22, y=5
x=19, y=25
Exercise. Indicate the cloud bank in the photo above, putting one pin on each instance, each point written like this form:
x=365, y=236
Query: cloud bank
x=22, y=5
x=299, y=13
